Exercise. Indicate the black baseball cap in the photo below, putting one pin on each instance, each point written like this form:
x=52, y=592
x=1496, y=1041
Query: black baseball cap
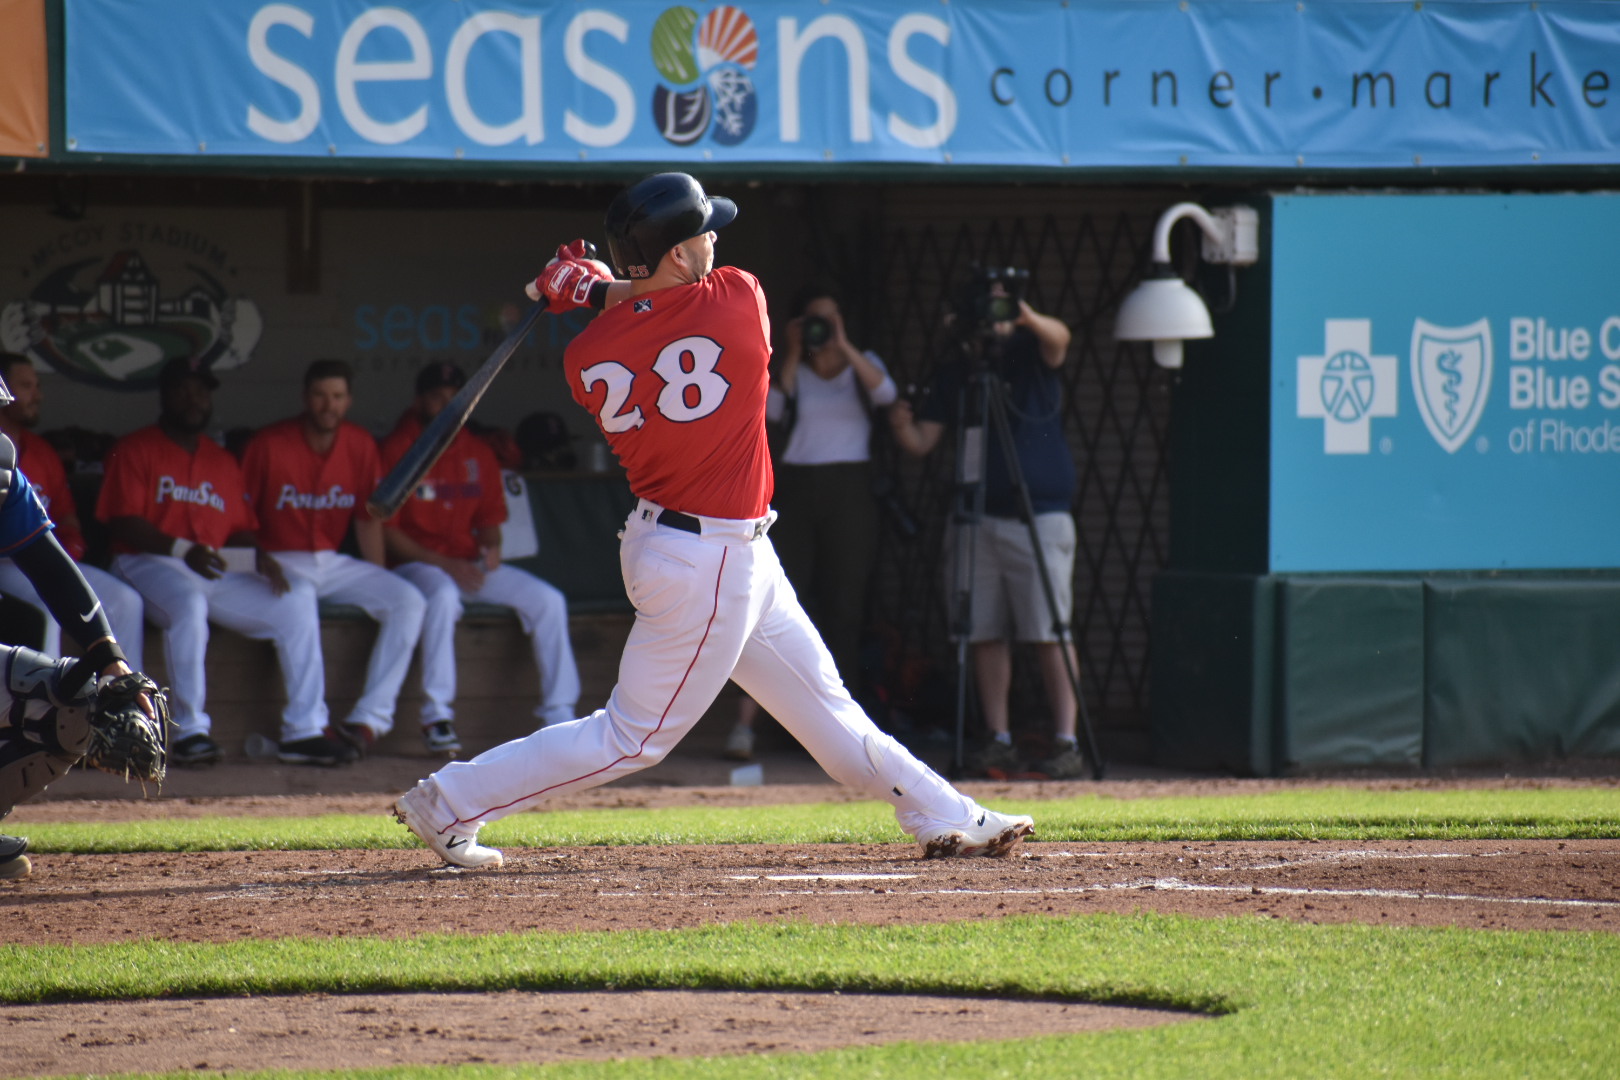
x=182, y=368
x=440, y=373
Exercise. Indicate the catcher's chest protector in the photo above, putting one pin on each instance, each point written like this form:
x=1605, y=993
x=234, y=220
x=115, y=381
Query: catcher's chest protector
x=41, y=736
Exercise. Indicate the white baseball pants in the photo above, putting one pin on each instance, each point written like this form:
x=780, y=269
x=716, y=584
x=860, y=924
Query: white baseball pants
x=709, y=607
x=122, y=604
x=180, y=602
x=397, y=609
x=541, y=610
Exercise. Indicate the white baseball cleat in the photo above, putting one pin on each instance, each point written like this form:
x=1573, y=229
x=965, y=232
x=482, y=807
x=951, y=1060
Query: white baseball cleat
x=423, y=811
x=990, y=835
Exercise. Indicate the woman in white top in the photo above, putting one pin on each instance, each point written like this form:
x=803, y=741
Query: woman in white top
x=823, y=393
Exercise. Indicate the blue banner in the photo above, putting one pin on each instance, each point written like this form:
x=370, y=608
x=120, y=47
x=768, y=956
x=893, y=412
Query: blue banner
x=1227, y=83
x=1445, y=382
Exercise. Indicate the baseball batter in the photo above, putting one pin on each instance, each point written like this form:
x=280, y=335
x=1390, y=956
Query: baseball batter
x=173, y=499
x=308, y=478
x=39, y=460
x=675, y=373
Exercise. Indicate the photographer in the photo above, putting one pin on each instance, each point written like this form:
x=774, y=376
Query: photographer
x=822, y=396
x=1000, y=334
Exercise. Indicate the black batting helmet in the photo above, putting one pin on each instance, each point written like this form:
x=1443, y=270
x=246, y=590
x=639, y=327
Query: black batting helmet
x=652, y=216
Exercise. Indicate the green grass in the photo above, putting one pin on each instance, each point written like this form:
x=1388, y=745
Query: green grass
x=1328, y=813
x=1289, y=1000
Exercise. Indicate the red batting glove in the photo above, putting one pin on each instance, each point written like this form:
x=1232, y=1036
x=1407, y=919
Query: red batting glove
x=566, y=285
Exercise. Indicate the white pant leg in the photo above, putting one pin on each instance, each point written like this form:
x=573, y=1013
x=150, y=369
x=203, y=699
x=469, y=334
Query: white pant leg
x=443, y=610
x=177, y=601
x=785, y=666
x=122, y=605
x=543, y=612
x=291, y=622
x=694, y=610
x=398, y=608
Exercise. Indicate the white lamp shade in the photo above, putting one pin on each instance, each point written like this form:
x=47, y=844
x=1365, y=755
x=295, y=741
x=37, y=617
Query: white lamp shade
x=1162, y=309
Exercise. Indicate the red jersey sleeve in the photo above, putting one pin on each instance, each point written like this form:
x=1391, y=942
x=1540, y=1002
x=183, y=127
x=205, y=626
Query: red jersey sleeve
x=255, y=465
x=492, y=500
x=39, y=461
x=123, y=487
x=368, y=471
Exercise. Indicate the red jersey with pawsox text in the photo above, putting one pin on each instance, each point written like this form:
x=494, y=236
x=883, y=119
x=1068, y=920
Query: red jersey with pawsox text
x=677, y=379
x=196, y=496
x=462, y=492
x=304, y=500
x=42, y=465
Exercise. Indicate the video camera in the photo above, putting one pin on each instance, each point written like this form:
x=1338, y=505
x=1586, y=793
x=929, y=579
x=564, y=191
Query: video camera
x=982, y=307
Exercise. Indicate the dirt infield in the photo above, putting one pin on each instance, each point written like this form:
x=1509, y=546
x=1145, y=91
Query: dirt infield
x=224, y=896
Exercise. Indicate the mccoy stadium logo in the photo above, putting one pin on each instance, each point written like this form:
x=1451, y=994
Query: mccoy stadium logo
x=716, y=55
x=113, y=303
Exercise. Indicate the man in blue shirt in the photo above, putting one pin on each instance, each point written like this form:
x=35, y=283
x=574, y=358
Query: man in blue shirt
x=1009, y=604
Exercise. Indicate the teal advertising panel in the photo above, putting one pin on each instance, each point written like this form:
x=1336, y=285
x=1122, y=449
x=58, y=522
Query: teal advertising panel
x=1445, y=382
x=1155, y=83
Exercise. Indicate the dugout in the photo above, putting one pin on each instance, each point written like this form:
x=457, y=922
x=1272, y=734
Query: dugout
x=1228, y=614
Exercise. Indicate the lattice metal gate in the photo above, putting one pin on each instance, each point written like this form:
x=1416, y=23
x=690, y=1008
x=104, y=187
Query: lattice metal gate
x=1085, y=249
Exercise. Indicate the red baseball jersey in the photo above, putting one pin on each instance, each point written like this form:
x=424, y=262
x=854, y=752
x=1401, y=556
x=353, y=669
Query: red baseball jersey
x=677, y=379
x=40, y=462
x=304, y=500
x=462, y=492
x=193, y=496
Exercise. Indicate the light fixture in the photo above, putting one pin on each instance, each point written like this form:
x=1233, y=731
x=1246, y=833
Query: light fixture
x=1163, y=309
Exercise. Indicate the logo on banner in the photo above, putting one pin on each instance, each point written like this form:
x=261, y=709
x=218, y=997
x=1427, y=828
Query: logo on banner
x=114, y=319
x=1347, y=387
x=1451, y=377
x=716, y=55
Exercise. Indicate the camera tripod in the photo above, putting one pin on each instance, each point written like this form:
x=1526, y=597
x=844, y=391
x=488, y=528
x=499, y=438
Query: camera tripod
x=981, y=407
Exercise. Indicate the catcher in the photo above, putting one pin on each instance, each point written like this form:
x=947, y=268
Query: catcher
x=53, y=713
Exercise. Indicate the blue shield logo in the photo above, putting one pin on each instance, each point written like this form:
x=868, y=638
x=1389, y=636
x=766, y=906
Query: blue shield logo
x=1451, y=378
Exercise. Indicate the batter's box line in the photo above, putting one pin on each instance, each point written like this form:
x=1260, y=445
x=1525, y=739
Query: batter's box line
x=1177, y=885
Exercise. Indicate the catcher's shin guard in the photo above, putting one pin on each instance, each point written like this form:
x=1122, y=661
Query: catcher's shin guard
x=42, y=731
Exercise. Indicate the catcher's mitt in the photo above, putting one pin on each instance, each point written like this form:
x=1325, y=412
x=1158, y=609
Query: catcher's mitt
x=124, y=740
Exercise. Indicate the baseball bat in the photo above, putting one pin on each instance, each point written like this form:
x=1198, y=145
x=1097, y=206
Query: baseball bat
x=401, y=480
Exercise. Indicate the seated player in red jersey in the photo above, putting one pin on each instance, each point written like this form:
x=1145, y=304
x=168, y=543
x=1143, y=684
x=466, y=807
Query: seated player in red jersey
x=173, y=500
x=308, y=478
x=446, y=540
x=40, y=461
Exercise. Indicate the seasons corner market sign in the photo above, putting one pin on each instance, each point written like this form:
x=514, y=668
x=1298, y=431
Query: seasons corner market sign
x=1240, y=83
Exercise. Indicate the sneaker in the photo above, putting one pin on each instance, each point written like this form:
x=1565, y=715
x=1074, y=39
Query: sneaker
x=360, y=736
x=322, y=749
x=195, y=750
x=992, y=836
x=740, y=744
x=992, y=758
x=13, y=863
x=440, y=737
x=1067, y=764
x=422, y=808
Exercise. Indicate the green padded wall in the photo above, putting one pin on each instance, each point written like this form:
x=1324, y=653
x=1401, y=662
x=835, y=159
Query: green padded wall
x=1350, y=673
x=1522, y=669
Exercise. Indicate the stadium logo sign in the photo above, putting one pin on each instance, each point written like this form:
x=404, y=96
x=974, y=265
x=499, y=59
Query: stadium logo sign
x=114, y=317
x=1347, y=386
x=708, y=62
x=1451, y=378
